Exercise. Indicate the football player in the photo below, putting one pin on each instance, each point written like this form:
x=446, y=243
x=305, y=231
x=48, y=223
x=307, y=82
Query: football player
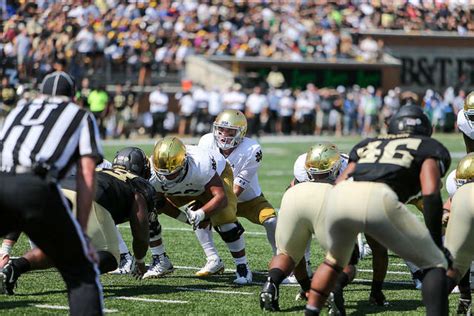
x=299, y=218
x=10, y=239
x=465, y=122
x=202, y=181
x=244, y=156
x=122, y=194
x=385, y=172
x=460, y=212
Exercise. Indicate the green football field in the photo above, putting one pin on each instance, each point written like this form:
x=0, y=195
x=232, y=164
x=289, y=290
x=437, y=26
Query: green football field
x=44, y=292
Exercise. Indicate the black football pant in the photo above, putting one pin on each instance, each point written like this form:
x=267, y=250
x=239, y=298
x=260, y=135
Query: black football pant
x=30, y=204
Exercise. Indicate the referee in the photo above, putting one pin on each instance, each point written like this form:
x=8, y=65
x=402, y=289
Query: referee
x=39, y=142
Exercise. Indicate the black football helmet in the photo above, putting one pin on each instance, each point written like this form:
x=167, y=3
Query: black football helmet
x=410, y=119
x=133, y=160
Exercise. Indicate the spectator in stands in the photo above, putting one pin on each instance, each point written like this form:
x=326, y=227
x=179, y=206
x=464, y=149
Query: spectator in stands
x=235, y=99
x=158, y=109
x=187, y=108
x=350, y=114
x=286, y=109
x=215, y=104
x=201, y=99
x=371, y=105
x=255, y=105
x=273, y=96
x=305, y=113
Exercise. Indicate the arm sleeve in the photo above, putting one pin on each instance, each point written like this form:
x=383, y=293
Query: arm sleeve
x=451, y=183
x=249, y=169
x=298, y=169
x=89, y=141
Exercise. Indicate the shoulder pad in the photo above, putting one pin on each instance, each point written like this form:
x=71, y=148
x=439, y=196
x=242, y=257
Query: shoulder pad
x=434, y=149
x=143, y=187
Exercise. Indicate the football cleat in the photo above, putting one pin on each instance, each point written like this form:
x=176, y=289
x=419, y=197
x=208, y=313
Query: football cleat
x=417, y=278
x=378, y=299
x=337, y=302
x=291, y=279
x=333, y=308
x=8, y=278
x=244, y=275
x=214, y=265
x=464, y=307
x=160, y=266
x=269, y=297
x=124, y=265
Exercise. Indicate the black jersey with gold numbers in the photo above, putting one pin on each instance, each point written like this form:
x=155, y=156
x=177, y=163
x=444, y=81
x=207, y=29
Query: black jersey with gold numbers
x=115, y=191
x=396, y=161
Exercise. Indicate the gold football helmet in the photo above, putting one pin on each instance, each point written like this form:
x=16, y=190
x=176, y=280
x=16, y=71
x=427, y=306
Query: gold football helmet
x=229, y=129
x=465, y=170
x=169, y=160
x=323, y=161
x=469, y=108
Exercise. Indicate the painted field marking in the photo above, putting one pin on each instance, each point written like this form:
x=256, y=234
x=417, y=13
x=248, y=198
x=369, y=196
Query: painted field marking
x=388, y=282
x=149, y=300
x=213, y=291
x=389, y=272
x=60, y=307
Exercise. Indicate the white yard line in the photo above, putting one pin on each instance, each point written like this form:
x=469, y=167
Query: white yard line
x=149, y=300
x=388, y=282
x=60, y=307
x=226, y=270
x=389, y=272
x=213, y=291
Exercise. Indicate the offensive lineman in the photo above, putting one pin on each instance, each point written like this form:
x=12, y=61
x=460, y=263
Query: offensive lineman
x=189, y=174
x=122, y=195
x=244, y=156
x=300, y=217
x=386, y=171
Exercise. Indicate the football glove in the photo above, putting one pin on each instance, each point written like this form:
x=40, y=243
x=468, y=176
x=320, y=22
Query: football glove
x=195, y=217
x=137, y=269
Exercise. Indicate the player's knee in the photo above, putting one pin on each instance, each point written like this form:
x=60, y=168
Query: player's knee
x=333, y=266
x=230, y=232
x=107, y=262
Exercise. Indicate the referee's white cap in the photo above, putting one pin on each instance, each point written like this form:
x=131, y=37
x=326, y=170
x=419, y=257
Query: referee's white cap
x=58, y=83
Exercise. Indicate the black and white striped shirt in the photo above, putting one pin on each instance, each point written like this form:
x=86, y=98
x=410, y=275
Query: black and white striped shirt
x=48, y=130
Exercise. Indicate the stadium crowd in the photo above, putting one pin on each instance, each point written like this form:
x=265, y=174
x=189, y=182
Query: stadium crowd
x=136, y=36
x=273, y=111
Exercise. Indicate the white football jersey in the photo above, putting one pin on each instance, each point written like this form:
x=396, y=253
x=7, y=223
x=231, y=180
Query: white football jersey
x=451, y=186
x=245, y=161
x=201, y=167
x=464, y=126
x=300, y=172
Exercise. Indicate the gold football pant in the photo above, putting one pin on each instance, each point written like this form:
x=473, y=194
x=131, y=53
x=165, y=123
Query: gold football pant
x=353, y=207
x=256, y=210
x=299, y=217
x=460, y=232
x=100, y=228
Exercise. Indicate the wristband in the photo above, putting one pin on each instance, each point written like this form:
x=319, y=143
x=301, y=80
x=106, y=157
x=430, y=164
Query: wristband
x=142, y=260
